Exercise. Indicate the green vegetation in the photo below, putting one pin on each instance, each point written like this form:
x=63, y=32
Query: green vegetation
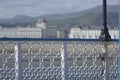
x=89, y=17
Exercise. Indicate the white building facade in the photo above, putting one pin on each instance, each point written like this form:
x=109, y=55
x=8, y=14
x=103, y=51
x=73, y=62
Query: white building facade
x=92, y=34
x=39, y=31
x=42, y=31
x=21, y=32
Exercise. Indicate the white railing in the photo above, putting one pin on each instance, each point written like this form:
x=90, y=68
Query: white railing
x=57, y=59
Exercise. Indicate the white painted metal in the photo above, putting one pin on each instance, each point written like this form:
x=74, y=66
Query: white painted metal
x=64, y=61
x=105, y=52
x=18, y=61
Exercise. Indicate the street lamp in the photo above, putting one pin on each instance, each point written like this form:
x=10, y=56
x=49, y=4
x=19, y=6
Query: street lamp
x=105, y=36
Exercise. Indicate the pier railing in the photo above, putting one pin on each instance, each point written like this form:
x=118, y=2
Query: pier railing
x=56, y=59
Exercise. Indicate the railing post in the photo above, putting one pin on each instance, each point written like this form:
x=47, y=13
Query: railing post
x=64, y=61
x=106, y=61
x=104, y=58
x=18, y=61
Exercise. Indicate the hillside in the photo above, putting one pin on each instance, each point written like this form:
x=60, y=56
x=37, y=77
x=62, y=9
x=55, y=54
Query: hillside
x=91, y=17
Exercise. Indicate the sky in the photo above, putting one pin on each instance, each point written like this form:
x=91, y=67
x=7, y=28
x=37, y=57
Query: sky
x=11, y=8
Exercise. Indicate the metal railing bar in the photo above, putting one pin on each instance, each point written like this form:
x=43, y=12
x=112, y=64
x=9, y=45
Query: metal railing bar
x=52, y=39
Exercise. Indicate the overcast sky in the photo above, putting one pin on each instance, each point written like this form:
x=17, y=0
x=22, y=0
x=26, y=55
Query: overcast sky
x=11, y=8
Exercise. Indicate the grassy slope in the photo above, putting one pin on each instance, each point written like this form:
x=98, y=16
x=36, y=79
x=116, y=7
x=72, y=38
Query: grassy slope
x=88, y=19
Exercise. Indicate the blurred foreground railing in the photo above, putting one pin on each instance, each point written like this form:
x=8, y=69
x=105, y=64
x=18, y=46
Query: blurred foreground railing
x=56, y=59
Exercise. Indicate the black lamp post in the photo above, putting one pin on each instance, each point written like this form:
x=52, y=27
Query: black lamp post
x=105, y=36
